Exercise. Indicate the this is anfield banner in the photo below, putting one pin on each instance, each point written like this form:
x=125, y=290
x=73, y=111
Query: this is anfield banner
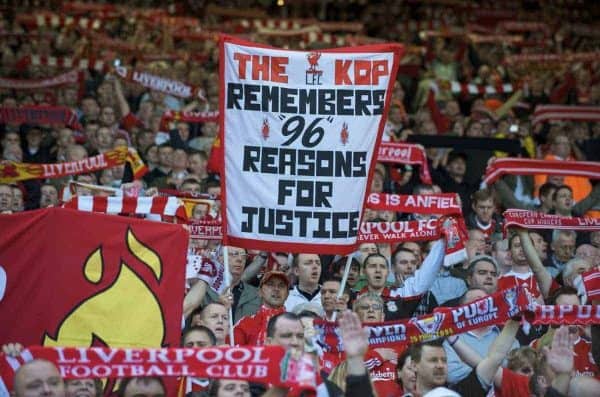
x=92, y=280
x=263, y=364
x=442, y=204
x=300, y=135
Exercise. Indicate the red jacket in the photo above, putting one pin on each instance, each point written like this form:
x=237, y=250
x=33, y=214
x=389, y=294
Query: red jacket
x=252, y=330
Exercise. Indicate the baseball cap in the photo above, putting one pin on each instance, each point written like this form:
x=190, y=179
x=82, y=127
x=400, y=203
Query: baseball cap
x=274, y=273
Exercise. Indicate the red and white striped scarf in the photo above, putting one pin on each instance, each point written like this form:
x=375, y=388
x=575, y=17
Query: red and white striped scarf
x=405, y=153
x=545, y=113
x=65, y=62
x=163, y=206
x=517, y=166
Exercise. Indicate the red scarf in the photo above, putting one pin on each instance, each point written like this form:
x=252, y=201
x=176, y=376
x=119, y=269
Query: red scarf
x=164, y=206
x=442, y=204
x=32, y=114
x=157, y=83
x=539, y=220
x=518, y=166
x=264, y=364
x=71, y=77
x=405, y=153
x=544, y=113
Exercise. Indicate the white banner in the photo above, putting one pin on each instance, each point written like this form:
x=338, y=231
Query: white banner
x=300, y=131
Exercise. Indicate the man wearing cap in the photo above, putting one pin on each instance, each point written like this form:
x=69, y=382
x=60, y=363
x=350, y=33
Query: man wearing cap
x=273, y=291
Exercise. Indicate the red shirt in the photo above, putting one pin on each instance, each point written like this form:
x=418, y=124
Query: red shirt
x=512, y=279
x=383, y=375
x=513, y=385
x=584, y=362
x=252, y=330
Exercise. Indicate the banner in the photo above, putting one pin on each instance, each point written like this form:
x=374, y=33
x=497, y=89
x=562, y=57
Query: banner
x=491, y=310
x=405, y=153
x=539, y=220
x=440, y=204
x=32, y=114
x=11, y=172
x=518, y=166
x=72, y=77
x=300, y=131
x=270, y=365
x=85, y=279
x=545, y=113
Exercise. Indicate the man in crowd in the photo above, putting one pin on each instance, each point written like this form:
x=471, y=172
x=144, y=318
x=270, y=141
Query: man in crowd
x=307, y=268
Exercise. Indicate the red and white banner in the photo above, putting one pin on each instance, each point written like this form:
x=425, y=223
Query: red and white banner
x=440, y=204
x=518, y=166
x=300, y=131
x=545, y=113
x=270, y=365
x=71, y=77
x=539, y=220
x=405, y=153
x=164, y=206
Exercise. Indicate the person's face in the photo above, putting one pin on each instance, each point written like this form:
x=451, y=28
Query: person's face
x=365, y=250
x=458, y=167
x=199, y=211
x=432, y=369
x=578, y=268
x=405, y=264
x=589, y=253
x=516, y=252
x=237, y=260
x=475, y=130
x=387, y=216
x=18, y=204
x=197, y=164
x=376, y=271
x=65, y=137
x=484, y=276
x=414, y=247
x=564, y=247
x=49, y=196
x=6, y=198
x=288, y=333
x=39, y=378
x=484, y=210
x=34, y=138
x=80, y=388
x=526, y=369
x=90, y=108
x=540, y=245
x=353, y=275
x=377, y=183
x=197, y=339
x=329, y=291
x=408, y=376
x=144, y=387
x=104, y=138
x=216, y=318
x=11, y=138
x=274, y=292
x=179, y=159
x=369, y=311
x=107, y=116
x=308, y=270
x=564, y=201
x=233, y=388
x=184, y=131
x=561, y=146
x=165, y=156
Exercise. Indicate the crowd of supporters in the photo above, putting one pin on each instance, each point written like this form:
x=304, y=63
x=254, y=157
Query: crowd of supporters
x=469, y=88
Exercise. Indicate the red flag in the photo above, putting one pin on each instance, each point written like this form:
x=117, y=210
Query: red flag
x=215, y=160
x=87, y=279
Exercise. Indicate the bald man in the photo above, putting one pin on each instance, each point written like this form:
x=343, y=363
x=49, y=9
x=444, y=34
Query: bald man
x=38, y=378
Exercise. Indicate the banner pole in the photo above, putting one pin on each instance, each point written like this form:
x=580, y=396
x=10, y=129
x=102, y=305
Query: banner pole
x=343, y=283
x=228, y=284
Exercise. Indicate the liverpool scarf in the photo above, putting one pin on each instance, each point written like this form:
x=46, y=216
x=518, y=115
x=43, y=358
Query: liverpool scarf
x=539, y=220
x=545, y=113
x=157, y=83
x=71, y=77
x=163, y=206
x=37, y=115
x=442, y=204
x=517, y=166
x=262, y=364
x=405, y=153
x=12, y=172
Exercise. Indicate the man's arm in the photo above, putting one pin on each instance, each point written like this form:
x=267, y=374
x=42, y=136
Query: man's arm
x=424, y=277
x=542, y=275
x=254, y=267
x=488, y=367
x=589, y=202
x=194, y=297
x=560, y=358
x=507, y=197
